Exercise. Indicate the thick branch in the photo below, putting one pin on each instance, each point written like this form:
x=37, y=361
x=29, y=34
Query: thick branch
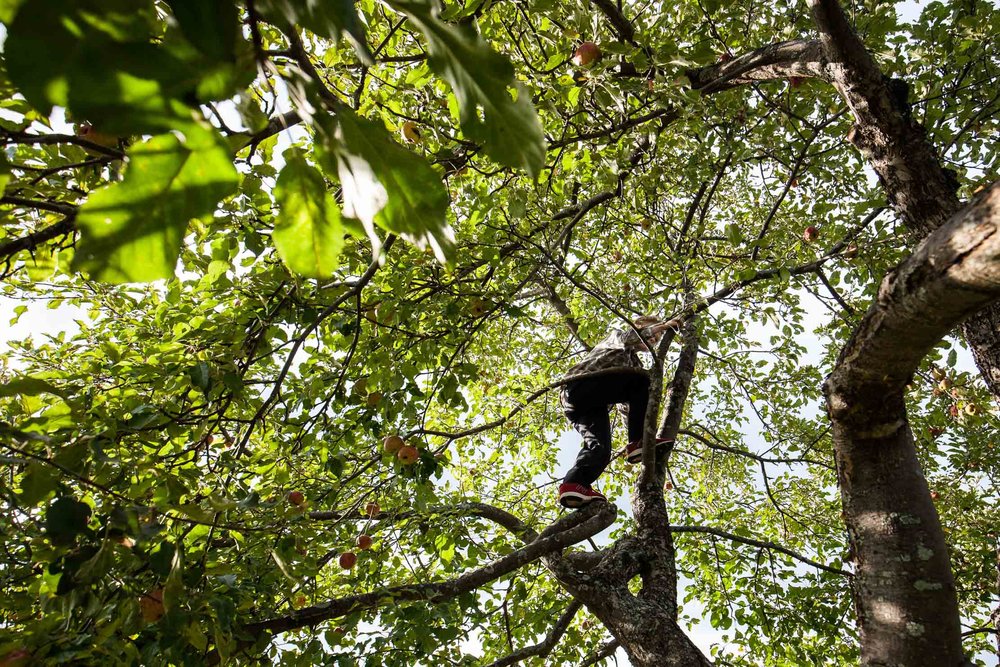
x=907, y=603
x=623, y=27
x=569, y=530
x=784, y=60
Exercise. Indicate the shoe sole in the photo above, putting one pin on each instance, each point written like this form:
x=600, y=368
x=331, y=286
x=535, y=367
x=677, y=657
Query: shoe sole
x=636, y=456
x=574, y=500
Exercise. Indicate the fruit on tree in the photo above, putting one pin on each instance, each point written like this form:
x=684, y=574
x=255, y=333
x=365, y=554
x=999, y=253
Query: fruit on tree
x=586, y=54
x=795, y=81
x=347, y=560
x=408, y=455
x=373, y=399
x=392, y=444
x=810, y=234
x=372, y=509
x=151, y=605
x=411, y=132
x=364, y=542
x=296, y=498
x=935, y=495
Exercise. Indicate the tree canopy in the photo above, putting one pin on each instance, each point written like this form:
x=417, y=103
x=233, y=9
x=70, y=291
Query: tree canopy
x=287, y=231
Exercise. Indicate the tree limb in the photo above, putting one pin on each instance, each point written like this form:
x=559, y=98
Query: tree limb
x=566, y=531
x=544, y=647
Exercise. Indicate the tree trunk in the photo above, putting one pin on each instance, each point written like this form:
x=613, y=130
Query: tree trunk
x=905, y=593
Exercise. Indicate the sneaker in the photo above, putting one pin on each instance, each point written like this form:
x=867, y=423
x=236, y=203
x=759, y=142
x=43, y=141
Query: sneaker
x=633, y=451
x=577, y=495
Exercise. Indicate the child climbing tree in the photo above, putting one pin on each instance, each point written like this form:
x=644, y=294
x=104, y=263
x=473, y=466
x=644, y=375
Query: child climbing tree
x=291, y=290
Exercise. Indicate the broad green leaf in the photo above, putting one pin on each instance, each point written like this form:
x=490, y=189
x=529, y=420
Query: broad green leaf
x=29, y=386
x=482, y=79
x=329, y=18
x=385, y=184
x=65, y=519
x=37, y=483
x=103, y=62
x=308, y=232
x=212, y=26
x=8, y=8
x=132, y=231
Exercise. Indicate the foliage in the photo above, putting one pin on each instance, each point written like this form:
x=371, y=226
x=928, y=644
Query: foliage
x=287, y=332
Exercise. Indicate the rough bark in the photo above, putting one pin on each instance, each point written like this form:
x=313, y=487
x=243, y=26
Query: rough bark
x=782, y=60
x=905, y=593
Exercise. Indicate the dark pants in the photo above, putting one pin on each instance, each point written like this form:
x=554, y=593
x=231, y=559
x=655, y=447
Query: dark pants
x=588, y=404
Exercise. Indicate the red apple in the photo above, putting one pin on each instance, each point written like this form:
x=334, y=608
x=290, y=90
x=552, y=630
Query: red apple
x=935, y=431
x=408, y=455
x=372, y=509
x=795, y=81
x=392, y=444
x=935, y=495
x=810, y=234
x=364, y=542
x=296, y=498
x=586, y=54
x=347, y=560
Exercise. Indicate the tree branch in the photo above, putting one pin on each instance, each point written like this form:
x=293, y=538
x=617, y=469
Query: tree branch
x=762, y=544
x=544, y=647
x=567, y=531
x=783, y=60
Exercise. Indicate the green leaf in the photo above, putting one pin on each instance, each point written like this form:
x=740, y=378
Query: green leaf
x=132, y=231
x=104, y=63
x=29, y=386
x=200, y=375
x=330, y=18
x=482, y=79
x=212, y=26
x=8, y=8
x=65, y=519
x=385, y=184
x=38, y=482
x=308, y=232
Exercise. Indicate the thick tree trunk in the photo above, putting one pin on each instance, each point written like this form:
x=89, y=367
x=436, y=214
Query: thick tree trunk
x=907, y=605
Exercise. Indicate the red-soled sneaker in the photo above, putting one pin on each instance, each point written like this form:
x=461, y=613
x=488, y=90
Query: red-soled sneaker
x=574, y=495
x=633, y=451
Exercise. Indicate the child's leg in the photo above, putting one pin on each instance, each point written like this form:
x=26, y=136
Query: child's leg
x=594, y=424
x=635, y=391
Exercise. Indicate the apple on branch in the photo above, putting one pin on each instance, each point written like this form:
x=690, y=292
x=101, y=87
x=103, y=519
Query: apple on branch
x=348, y=559
x=810, y=234
x=392, y=444
x=586, y=54
x=364, y=542
x=408, y=455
